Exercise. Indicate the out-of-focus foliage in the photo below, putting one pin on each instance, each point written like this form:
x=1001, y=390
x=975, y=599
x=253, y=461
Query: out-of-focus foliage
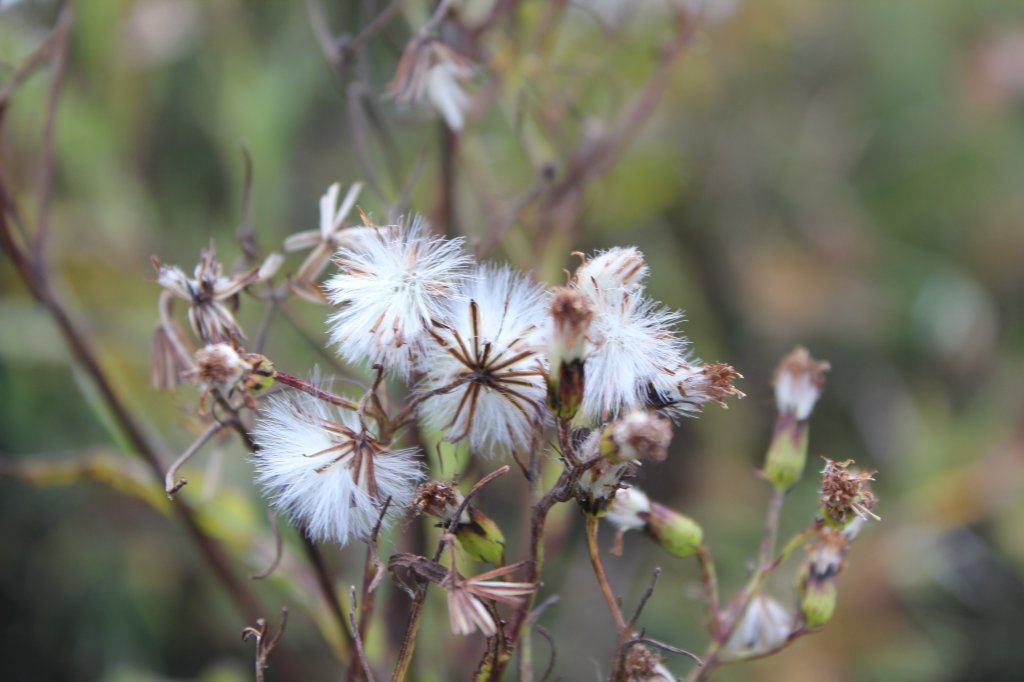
x=842, y=175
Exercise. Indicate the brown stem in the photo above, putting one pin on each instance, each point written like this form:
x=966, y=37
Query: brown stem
x=172, y=486
x=306, y=387
x=420, y=595
x=36, y=280
x=602, y=578
x=709, y=585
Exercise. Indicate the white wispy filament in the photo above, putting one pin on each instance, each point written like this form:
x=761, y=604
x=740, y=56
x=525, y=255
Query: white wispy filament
x=316, y=463
x=632, y=343
x=393, y=282
x=487, y=357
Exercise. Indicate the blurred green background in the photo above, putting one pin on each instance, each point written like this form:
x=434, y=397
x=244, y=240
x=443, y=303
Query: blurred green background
x=844, y=175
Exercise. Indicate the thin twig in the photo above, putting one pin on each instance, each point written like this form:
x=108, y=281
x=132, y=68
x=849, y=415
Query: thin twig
x=278, y=546
x=306, y=387
x=554, y=652
x=44, y=196
x=643, y=600
x=170, y=485
x=264, y=645
x=360, y=653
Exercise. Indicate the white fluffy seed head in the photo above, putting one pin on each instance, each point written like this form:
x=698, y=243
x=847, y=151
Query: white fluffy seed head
x=690, y=385
x=631, y=343
x=489, y=356
x=621, y=267
x=393, y=282
x=299, y=439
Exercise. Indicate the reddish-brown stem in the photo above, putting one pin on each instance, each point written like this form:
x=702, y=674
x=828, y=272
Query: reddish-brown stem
x=306, y=387
x=602, y=578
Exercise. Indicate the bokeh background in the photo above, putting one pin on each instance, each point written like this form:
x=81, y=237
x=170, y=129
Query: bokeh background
x=844, y=175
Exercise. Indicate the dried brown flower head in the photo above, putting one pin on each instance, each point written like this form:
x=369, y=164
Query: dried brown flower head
x=845, y=494
x=642, y=664
x=719, y=382
x=438, y=499
x=639, y=435
x=470, y=600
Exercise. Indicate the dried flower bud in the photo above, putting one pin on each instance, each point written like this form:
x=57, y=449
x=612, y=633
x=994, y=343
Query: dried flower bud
x=431, y=70
x=799, y=380
x=845, y=495
x=438, y=499
x=639, y=435
x=218, y=366
x=688, y=387
x=817, y=583
x=678, y=534
x=642, y=664
x=571, y=313
x=765, y=625
x=478, y=535
x=597, y=485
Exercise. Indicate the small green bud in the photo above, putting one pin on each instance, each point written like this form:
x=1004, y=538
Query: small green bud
x=817, y=601
x=817, y=582
x=678, y=534
x=481, y=538
x=787, y=455
x=798, y=382
x=260, y=376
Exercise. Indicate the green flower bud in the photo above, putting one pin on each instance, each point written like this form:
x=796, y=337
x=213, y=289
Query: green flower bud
x=481, y=538
x=816, y=585
x=476, y=533
x=678, y=534
x=799, y=380
x=818, y=601
x=787, y=455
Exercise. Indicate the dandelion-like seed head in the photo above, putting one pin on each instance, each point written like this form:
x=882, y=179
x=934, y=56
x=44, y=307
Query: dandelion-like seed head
x=632, y=344
x=845, y=494
x=394, y=282
x=688, y=387
x=617, y=268
x=327, y=470
x=484, y=368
